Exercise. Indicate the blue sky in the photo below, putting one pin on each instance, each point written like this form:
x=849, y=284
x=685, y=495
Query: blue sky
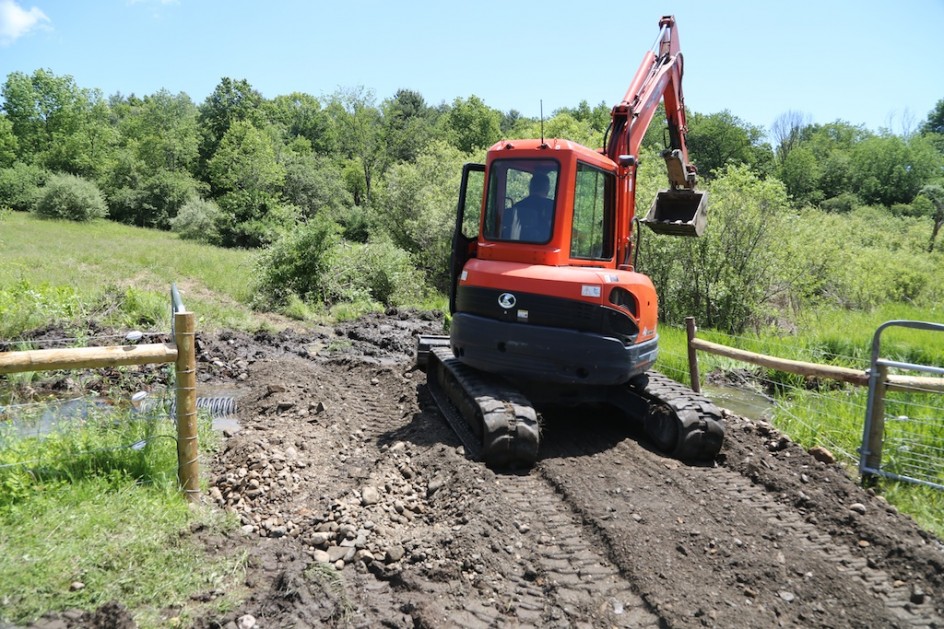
x=865, y=62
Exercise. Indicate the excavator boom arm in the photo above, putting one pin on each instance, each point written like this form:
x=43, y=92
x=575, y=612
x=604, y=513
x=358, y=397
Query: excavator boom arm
x=659, y=77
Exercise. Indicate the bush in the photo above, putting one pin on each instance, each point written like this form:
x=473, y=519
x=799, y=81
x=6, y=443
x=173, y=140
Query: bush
x=841, y=204
x=197, y=220
x=297, y=264
x=19, y=186
x=379, y=272
x=72, y=198
x=155, y=201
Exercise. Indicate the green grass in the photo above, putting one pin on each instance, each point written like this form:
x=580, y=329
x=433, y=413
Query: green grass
x=120, y=540
x=61, y=270
x=79, y=505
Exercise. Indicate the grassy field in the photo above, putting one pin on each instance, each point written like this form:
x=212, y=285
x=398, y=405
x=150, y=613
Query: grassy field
x=65, y=270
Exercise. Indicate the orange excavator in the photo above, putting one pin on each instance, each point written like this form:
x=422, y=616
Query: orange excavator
x=547, y=308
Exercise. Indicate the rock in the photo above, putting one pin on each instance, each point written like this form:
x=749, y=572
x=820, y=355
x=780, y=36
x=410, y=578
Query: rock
x=787, y=596
x=369, y=496
x=336, y=553
x=246, y=622
x=321, y=556
x=435, y=485
x=320, y=538
x=822, y=455
x=917, y=595
x=364, y=556
x=395, y=554
x=248, y=529
x=339, y=564
x=275, y=388
x=75, y=586
x=858, y=507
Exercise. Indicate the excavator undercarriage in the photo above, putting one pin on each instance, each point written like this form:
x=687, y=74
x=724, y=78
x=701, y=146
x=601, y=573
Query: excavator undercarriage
x=497, y=423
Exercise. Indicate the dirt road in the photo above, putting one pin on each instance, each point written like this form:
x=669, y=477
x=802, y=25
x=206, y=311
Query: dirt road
x=360, y=508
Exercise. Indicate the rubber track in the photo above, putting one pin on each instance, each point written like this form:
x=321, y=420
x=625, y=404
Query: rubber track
x=503, y=416
x=701, y=425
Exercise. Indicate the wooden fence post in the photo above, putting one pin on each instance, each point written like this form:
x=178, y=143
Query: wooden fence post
x=188, y=467
x=876, y=430
x=692, y=355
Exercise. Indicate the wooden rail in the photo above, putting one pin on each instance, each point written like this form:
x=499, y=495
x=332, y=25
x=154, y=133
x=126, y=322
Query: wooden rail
x=182, y=353
x=843, y=374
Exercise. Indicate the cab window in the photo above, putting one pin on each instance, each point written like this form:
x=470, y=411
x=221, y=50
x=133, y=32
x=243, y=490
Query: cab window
x=592, y=233
x=520, y=203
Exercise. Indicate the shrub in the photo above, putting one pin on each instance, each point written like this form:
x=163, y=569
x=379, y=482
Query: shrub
x=297, y=264
x=19, y=186
x=72, y=198
x=377, y=271
x=197, y=220
x=841, y=204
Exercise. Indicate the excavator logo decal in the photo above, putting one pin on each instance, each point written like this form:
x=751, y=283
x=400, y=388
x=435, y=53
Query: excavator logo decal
x=507, y=301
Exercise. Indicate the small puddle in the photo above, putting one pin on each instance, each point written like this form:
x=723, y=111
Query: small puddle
x=38, y=419
x=740, y=401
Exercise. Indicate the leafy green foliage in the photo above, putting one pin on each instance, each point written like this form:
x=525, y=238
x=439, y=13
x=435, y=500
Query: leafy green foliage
x=889, y=169
x=8, y=143
x=741, y=266
x=471, y=124
x=25, y=305
x=297, y=264
x=197, y=220
x=72, y=198
x=716, y=140
x=420, y=201
x=20, y=184
x=376, y=272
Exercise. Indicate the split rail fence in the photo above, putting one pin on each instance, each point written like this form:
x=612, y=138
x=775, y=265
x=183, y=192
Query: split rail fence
x=182, y=352
x=917, y=458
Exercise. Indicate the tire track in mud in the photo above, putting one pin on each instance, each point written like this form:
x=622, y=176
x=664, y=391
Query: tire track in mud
x=566, y=580
x=706, y=546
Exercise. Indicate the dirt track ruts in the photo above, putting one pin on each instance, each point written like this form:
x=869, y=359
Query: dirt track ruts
x=367, y=512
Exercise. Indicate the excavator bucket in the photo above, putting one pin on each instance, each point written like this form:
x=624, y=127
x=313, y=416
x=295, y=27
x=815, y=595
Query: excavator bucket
x=678, y=213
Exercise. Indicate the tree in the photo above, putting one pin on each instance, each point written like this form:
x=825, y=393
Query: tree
x=715, y=140
x=245, y=173
x=408, y=125
x=743, y=262
x=420, y=202
x=888, y=169
x=300, y=115
x=316, y=185
x=934, y=194
x=8, y=143
x=471, y=125
x=57, y=124
x=800, y=174
x=359, y=127
x=935, y=120
x=231, y=101
x=787, y=130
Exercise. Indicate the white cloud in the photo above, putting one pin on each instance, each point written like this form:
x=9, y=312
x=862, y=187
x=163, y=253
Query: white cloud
x=16, y=22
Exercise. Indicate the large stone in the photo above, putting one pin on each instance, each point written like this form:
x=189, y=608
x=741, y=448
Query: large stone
x=369, y=496
x=822, y=455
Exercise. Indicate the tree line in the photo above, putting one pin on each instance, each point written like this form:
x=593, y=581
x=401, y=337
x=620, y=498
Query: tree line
x=350, y=171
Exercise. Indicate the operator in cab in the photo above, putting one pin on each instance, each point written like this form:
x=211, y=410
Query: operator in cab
x=532, y=215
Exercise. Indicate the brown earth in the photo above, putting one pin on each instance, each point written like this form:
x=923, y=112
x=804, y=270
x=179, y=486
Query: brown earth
x=360, y=508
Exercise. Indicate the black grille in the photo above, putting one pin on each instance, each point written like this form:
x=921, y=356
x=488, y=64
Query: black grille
x=553, y=312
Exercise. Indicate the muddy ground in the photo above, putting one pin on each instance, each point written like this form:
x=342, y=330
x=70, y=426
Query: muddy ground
x=360, y=508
